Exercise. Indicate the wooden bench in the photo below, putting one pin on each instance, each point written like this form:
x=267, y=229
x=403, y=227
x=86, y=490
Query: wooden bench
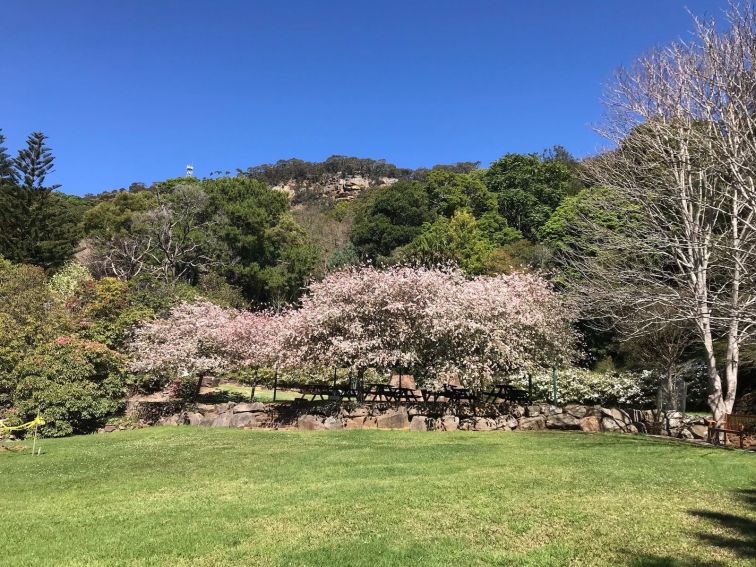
x=739, y=425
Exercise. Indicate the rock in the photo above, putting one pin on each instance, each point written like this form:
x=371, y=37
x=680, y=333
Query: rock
x=333, y=423
x=466, y=425
x=109, y=428
x=686, y=434
x=674, y=419
x=699, y=431
x=506, y=423
x=554, y=410
x=354, y=423
x=532, y=423
x=245, y=419
x=174, y=419
x=533, y=411
x=483, y=424
x=562, y=421
x=206, y=408
x=194, y=418
x=394, y=419
x=309, y=422
x=223, y=420
x=608, y=424
x=517, y=411
x=449, y=423
x=590, y=423
x=576, y=410
x=360, y=411
x=249, y=407
x=419, y=423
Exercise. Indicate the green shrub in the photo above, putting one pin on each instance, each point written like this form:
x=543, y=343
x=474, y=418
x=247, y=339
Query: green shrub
x=578, y=385
x=74, y=383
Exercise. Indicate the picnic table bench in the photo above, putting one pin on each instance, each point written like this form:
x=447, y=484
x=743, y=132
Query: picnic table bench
x=508, y=393
x=327, y=392
x=739, y=425
x=388, y=393
x=450, y=393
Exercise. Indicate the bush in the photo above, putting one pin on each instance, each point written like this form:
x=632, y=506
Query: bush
x=577, y=385
x=74, y=383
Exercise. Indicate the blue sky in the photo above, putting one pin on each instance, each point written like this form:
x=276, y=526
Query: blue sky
x=134, y=90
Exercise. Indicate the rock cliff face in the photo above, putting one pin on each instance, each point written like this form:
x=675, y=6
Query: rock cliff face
x=337, y=187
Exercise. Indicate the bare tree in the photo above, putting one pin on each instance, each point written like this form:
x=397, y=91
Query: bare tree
x=682, y=119
x=172, y=241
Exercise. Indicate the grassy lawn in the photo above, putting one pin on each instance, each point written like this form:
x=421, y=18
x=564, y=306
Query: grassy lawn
x=196, y=496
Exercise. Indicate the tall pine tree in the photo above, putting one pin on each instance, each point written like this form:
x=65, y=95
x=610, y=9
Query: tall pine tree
x=10, y=213
x=33, y=163
x=40, y=226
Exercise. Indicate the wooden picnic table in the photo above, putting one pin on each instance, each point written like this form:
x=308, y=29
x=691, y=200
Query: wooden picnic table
x=388, y=393
x=451, y=393
x=327, y=392
x=508, y=393
x=377, y=391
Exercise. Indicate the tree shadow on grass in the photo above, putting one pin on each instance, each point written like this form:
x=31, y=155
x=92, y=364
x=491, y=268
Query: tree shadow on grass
x=740, y=536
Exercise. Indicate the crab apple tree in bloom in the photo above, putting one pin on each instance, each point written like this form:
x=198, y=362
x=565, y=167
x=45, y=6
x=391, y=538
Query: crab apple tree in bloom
x=429, y=321
x=251, y=339
x=498, y=325
x=185, y=343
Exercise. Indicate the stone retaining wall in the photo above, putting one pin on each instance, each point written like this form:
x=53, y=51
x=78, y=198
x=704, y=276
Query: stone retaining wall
x=431, y=417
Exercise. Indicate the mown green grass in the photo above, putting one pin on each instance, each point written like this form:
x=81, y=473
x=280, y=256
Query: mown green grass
x=195, y=496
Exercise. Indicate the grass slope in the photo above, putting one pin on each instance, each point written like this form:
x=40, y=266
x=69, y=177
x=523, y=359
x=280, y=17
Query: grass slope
x=194, y=496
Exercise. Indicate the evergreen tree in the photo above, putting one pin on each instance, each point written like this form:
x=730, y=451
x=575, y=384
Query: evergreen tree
x=10, y=213
x=37, y=225
x=6, y=163
x=34, y=162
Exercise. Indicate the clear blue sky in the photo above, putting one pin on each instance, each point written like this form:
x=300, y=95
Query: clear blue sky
x=134, y=90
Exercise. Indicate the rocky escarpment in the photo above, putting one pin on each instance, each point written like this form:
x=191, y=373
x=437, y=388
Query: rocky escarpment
x=424, y=417
x=336, y=187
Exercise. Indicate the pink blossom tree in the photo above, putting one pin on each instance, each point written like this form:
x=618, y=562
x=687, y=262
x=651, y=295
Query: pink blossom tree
x=429, y=321
x=182, y=345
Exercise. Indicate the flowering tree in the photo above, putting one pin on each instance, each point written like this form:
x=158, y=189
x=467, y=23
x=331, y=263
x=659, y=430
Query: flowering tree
x=429, y=321
x=184, y=344
x=362, y=318
x=488, y=326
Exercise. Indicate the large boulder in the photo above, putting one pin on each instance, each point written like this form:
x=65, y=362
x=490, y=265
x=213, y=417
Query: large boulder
x=483, y=424
x=576, y=410
x=609, y=424
x=249, y=407
x=245, y=419
x=419, y=423
x=562, y=421
x=532, y=423
x=194, y=418
x=359, y=411
x=309, y=422
x=394, y=419
x=333, y=423
x=590, y=423
x=699, y=431
x=449, y=423
x=223, y=420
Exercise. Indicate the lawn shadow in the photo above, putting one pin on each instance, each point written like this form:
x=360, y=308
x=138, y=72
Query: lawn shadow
x=668, y=561
x=741, y=530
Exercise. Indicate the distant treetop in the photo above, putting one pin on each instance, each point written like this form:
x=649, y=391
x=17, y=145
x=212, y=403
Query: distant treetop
x=301, y=171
